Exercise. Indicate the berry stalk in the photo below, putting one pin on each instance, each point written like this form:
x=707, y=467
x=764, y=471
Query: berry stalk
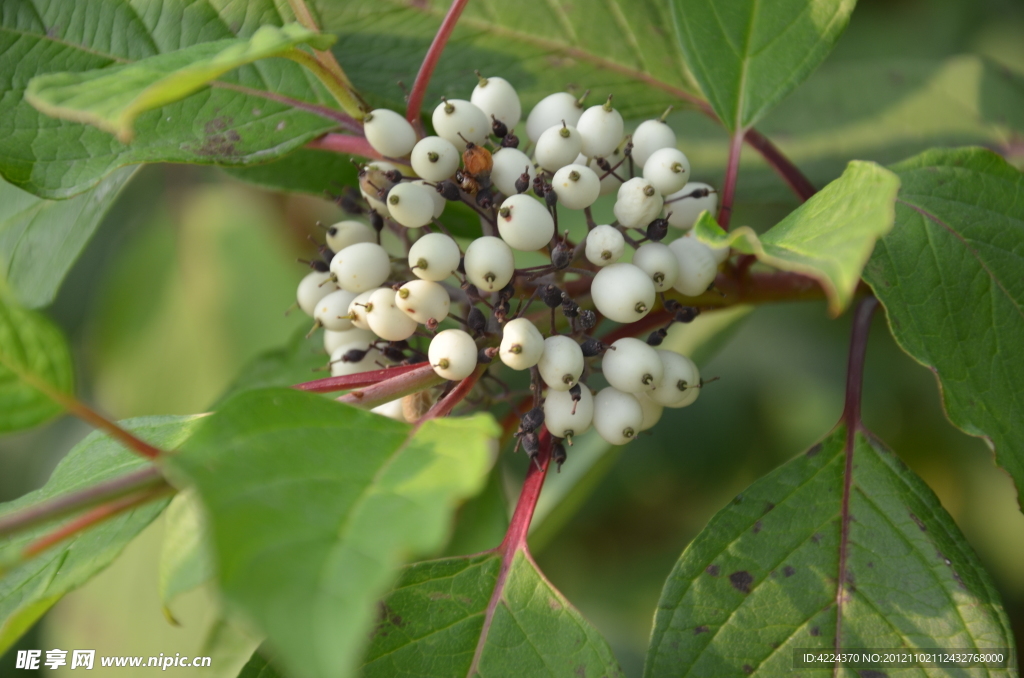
x=419, y=87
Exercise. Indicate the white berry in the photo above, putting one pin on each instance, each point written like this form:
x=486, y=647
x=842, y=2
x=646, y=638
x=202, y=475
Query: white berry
x=618, y=416
x=719, y=253
x=525, y=223
x=651, y=136
x=682, y=212
x=452, y=353
x=561, y=365
x=631, y=365
x=357, y=309
x=605, y=245
x=509, y=165
x=423, y=301
x=652, y=410
x=697, y=266
x=392, y=410
x=638, y=203
x=411, y=205
x=489, y=263
x=601, y=128
x=496, y=97
x=622, y=292
x=439, y=201
x=576, y=186
x=609, y=180
x=434, y=158
x=565, y=417
x=522, y=344
x=558, y=146
x=333, y=340
x=389, y=133
x=361, y=266
x=680, y=383
x=385, y=319
x=658, y=261
x=456, y=117
x=313, y=287
x=551, y=111
x=345, y=233
x=369, y=193
x=435, y=256
x=331, y=311
x=667, y=169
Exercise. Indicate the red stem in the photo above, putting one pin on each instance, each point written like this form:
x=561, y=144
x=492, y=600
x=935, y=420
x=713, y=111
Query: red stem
x=93, y=517
x=851, y=417
x=346, y=383
x=732, y=171
x=412, y=381
x=444, y=406
x=146, y=478
x=345, y=143
x=519, y=527
x=790, y=173
x=419, y=88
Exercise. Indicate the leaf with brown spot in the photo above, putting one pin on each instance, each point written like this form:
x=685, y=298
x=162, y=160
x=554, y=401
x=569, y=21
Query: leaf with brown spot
x=904, y=587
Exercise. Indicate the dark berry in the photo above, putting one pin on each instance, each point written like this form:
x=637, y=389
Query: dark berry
x=656, y=337
x=657, y=229
x=686, y=314
x=592, y=347
x=510, y=141
x=551, y=296
x=448, y=190
x=532, y=420
x=499, y=128
x=558, y=455
x=523, y=182
x=476, y=320
x=376, y=220
x=561, y=255
x=354, y=355
x=587, y=319
x=531, y=444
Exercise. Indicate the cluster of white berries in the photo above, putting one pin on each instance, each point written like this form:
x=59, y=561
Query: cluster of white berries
x=378, y=309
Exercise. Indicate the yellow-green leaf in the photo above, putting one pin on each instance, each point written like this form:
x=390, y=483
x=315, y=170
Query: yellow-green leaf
x=111, y=98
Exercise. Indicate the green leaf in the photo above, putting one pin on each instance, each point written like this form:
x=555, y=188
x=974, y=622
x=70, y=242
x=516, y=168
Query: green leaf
x=185, y=561
x=951, y=280
x=258, y=667
x=748, y=55
x=229, y=646
x=112, y=97
x=761, y=579
x=830, y=237
x=313, y=504
x=40, y=240
x=292, y=364
x=435, y=624
x=233, y=123
x=615, y=47
x=884, y=110
x=302, y=171
x=32, y=349
x=29, y=589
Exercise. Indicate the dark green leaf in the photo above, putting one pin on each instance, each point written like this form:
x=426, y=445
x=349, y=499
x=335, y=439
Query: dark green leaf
x=830, y=237
x=761, y=579
x=434, y=624
x=312, y=506
x=614, y=47
x=258, y=667
x=305, y=170
x=749, y=54
x=32, y=349
x=952, y=282
x=112, y=97
x=40, y=240
x=217, y=125
x=28, y=590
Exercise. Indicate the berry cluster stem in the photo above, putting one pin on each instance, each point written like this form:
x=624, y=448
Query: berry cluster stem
x=732, y=171
x=419, y=87
x=519, y=526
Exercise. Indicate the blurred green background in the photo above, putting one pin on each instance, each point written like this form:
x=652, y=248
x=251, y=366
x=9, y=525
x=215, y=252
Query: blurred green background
x=191, y=274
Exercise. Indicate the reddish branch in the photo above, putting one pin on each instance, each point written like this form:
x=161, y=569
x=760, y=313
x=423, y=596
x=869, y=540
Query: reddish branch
x=790, y=173
x=148, y=478
x=94, y=517
x=419, y=88
x=732, y=170
x=346, y=383
x=851, y=418
x=444, y=406
x=347, y=144
x=385, y=391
